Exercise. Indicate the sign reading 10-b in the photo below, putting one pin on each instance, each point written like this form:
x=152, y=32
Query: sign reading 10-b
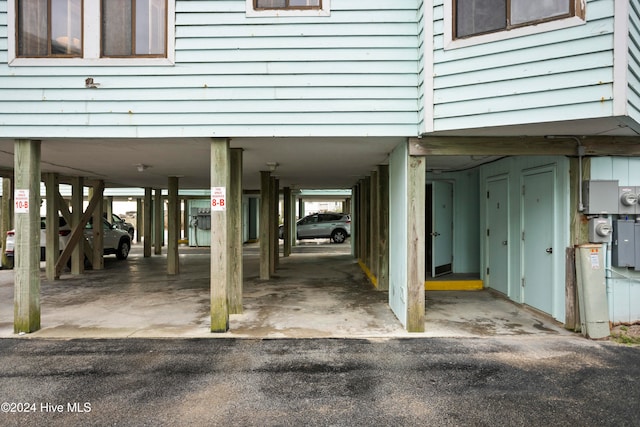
x=218, y=198
x=21, y=201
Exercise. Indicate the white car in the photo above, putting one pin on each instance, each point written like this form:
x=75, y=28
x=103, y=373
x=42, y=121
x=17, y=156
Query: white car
x=116, y=241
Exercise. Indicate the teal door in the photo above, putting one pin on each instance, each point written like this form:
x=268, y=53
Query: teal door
x=497, y=273
x=442, y=228
x=537, y=239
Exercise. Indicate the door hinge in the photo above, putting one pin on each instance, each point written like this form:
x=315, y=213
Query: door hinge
x=488, y=232
x=523, y=235
x=487, y=194
x=524, y=282
x=487, y=271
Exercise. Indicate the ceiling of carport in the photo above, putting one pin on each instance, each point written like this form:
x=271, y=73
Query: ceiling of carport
x=311, y=163
x=303, y=163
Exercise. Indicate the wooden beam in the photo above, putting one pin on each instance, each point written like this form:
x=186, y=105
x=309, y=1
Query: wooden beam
x=97, y=254
x=7, y=215
x=27, y=238
x=416, y=244
x=173, y=220
x=234, y=216
x=524, y=146
x=219, y=238
x=158, y=222
x=146, y=223
x=52, y=245
x=77, y=234
x=77, y=253
x=383, y=237
x=265, y=225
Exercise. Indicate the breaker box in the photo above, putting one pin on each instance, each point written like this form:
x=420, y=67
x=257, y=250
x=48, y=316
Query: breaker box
x=600, y=197
x=624, y=246
x=201, y=218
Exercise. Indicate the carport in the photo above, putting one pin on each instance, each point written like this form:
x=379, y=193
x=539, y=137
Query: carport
x=319, y=291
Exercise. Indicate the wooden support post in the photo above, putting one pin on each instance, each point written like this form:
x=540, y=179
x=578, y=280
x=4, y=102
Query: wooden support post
x=52, y=245
x=158, y=222
x=77, y=240
x=7, y=217
x=146, y=223
x=173, y=264
x=184, y=226
x=416, y=197
x=383, y=224
x=139, y=219
x=355, y=221
x=374, y=229
x=77, y=199
x=219, y=237
x=287, y=222
x=108, y=208
x=27, y=238
x=234, y=216
x=98, y=230
x=275, y=204
x=265, y=225
x=293, y=231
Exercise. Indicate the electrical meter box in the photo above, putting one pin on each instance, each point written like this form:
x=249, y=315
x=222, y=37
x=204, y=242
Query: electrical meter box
x=600, y=197
x=623, y=248
x=628, y=200
x=600, y=230
x=637, y=238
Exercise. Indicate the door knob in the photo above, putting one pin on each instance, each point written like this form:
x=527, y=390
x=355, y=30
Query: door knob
x=549, y=250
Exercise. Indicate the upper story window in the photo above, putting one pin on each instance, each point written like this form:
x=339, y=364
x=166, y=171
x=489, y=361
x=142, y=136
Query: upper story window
x=267, y=8
x=474, y=17
x=288, y=4
x=133, y=28
x=49, y=28
x=103, y=32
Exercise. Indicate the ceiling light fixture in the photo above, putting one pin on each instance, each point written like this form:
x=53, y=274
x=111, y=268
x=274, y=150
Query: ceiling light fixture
x=272, y=166
x=141, y=167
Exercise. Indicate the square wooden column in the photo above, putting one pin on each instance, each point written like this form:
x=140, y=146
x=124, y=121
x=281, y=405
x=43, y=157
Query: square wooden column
x=146, y=223
x=288, y=212
x=374, y=230
x=27, y=237
x=383, y=231
x=220, y=255
x=96, y=192
x=265, y=225
x=52, y=245
x=416, y=199
x=173, y=264
x=234, y=205
x=158, y=222
x=275, y=244
x=77, y=198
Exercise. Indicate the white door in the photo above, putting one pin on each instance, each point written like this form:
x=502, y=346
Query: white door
x=442, y=228
x=497, y=272
x=537, y=240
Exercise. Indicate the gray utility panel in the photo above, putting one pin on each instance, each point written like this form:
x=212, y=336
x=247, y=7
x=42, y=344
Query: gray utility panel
x=624, y=251
x=600, y=197
x=628, y=200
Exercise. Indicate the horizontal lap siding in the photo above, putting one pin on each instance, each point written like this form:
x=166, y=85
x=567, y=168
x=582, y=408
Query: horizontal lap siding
x=354, y=73
x=634, y=61
x=558, y=75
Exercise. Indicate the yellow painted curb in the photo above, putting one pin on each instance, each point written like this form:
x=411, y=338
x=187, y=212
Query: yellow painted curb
x=454, y=285
x=368, y=273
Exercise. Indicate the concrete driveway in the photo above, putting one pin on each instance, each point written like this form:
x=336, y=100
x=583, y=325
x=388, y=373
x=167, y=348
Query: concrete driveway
x=319, y=291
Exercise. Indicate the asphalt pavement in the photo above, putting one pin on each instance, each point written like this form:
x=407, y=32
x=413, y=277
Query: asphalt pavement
x=541, y=380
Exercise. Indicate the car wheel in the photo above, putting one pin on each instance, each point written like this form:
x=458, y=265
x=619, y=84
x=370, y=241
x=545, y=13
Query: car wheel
x=338, y=236
x=123, y=249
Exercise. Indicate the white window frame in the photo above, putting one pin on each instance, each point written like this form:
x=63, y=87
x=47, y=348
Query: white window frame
x=526, y=30
x=325, y=10
x=91, y=42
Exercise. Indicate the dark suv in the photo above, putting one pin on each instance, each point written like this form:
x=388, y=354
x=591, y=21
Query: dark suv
x=334, y=226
